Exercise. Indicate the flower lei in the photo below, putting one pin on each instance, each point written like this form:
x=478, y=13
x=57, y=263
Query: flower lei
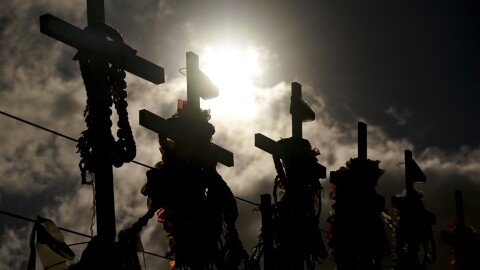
x=356, y=234
x=196, y=207
x=464, y=244
x=297, y=206
x=412, y=229
x=105, y=85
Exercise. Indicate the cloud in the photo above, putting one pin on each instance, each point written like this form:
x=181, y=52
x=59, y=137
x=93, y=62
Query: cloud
x=400, y=116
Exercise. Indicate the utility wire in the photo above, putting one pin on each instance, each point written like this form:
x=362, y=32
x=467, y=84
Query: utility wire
x=72, y=139
x=73, y=232
x=75, y=140
x=32, y=220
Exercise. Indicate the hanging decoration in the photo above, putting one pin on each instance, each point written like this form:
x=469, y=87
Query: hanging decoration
x=357, y=238
x=105, y=85
x=297, y=207
x=193, y=202
x=413, y=230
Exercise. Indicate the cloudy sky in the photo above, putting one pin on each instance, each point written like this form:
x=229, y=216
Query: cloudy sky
x=409, y=69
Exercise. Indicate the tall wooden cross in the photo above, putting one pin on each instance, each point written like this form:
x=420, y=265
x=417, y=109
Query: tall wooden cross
x=300, y=112
x=124, y=57
x=198, y=86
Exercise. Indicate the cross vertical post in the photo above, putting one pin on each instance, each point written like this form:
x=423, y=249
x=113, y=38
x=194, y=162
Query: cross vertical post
x=198, y=84
x=459, y=208
x=362, y=141
x=104, y=190
x=267, y=230
x=192, y=95
x=413, y=173
x=299, y=110
x=296, y=120
x=408, y=171
x=95, y=12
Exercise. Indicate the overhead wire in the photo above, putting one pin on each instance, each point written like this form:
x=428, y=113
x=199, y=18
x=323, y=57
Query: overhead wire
x=73, y=232
x=75, y=140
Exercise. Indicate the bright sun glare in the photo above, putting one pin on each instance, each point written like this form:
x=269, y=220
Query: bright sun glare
x=233, y=70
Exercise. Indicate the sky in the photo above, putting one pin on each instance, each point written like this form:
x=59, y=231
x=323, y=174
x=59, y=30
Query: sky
x=408, y=69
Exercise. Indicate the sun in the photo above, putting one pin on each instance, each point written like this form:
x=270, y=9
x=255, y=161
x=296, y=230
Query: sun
x=233, y=70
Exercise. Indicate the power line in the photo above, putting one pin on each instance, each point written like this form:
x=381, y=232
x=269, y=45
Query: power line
x=73, y=232
x=32, y=220
x=75, y=140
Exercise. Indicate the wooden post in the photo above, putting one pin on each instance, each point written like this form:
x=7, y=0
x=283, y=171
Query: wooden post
x=408, y=172
x=296, y=120
x=299, y=110
x=198, y=84
x=267, y=230
x=459, y=208
x=95, y=12
x=362, y=141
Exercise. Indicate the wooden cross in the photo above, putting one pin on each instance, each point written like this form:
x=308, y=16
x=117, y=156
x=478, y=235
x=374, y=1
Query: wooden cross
x=459, y=208
x=124, y=57
x=300, y=112
x=198, y=86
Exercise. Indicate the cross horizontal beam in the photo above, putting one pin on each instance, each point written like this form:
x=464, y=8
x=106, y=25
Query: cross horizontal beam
x=116, y=52
x=160, y=125
x=268, y=145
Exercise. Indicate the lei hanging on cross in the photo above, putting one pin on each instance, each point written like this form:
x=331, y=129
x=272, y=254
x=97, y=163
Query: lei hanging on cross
x=196, y=207
x=357, y=237
x=413, y=228
x=297, y=206
x=105, y=85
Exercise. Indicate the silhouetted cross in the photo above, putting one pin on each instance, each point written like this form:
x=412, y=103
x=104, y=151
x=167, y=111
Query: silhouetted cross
x=87, y=40
x=95, y=41
x=300, y=112
x=198, y=86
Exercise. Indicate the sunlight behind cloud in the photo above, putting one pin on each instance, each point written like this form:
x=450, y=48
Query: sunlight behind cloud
x=233, y=70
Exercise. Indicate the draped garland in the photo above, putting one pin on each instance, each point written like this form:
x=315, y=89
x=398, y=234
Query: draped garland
x=357, y=238
x=413, y=229
x=297, y=206
x=105, y=85
x=193, y=202
x=464, y=242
